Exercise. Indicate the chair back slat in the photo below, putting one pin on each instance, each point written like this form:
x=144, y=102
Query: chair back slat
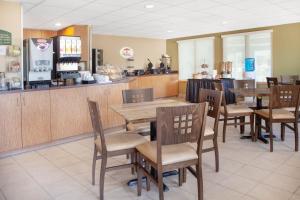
x=96, y=123
x=180, y=124
x=284, y=96
x=272, y=81
x=213, y=97
x=137, y=95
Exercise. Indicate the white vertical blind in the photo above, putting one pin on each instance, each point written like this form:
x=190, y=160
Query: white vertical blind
x=257, y=45
x=192, y=54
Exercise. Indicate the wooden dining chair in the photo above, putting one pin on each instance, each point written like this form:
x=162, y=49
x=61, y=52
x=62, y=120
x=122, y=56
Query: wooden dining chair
x=297, y=82
x=271, y=81
x=177, y=128
x=281, y=97
x=238, y=84
x=138, y=96
x=109, y=145
x=234, y=111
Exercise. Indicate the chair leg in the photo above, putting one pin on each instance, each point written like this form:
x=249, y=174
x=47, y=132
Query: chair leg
x=282, y=131
x=180, y=177
x=257, y=126
x=296, y=136
x=132, y=160
x=235, y=122
x=94, y=165
x=199, y=180
x=160, y=185
x=271, y=136
x=252, y=127
x=242, y=127
x=139, y=176
x=102, y=177
x=184, y=175
x=148, y=168
x=224, y=128
x=215, y=142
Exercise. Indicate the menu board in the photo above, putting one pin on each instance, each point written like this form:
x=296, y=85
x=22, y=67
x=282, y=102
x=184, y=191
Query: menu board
x=74, y=47
x=78, y=47
x=68, y=46
x=62, y=47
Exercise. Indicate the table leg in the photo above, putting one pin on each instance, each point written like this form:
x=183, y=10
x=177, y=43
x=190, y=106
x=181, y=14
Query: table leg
x=258, y=121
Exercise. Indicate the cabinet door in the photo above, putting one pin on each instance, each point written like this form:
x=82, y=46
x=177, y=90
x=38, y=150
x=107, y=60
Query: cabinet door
x=172, y=85
x=35, y=118
x=69, y=112
x=10, y=122
x=99, y=94
x=115, y=97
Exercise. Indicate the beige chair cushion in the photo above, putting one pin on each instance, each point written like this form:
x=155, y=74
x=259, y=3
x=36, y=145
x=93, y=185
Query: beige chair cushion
x=139, y=127
x=121, y=141
x=277, y=114
x=236, y=109
x=208, y=131
x=170, y=153
x=290, y=109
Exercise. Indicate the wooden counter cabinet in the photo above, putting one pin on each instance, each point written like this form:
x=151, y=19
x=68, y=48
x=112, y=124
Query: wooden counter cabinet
x=10, y=122
x=35, y=118
x=69, y=112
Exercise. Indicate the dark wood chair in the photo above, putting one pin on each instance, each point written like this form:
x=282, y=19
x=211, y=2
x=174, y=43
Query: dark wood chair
x=137, y=96
x=271, y=81
x=177, y=128
x=297, y=82
x=109, y=145
x=214, y=98
x=281, y=97
x=234, y=111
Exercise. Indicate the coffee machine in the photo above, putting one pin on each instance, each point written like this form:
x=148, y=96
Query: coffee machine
x=38, y=62
x=66, y=58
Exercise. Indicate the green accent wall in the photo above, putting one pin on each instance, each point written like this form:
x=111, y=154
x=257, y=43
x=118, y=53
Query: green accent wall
x=286, y=48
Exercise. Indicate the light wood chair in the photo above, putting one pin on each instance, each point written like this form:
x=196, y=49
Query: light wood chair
x=234, y=111
x=281, y=97
x=272, y=81
x=109, y=145
x=137, y=96
x=177, y=128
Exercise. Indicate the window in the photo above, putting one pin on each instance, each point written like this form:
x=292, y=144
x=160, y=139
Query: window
x=192, y=54
x=257, y=45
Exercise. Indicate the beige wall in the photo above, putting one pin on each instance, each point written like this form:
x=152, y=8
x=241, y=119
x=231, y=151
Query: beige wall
x=143, y=48
x=10, y=20
x=286, y=48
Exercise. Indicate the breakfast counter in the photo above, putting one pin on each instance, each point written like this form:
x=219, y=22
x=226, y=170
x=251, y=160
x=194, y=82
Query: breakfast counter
x=39, y=116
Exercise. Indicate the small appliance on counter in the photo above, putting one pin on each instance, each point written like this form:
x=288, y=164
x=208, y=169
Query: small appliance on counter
x=38, y=61
x=165, y=64
x=66, y=58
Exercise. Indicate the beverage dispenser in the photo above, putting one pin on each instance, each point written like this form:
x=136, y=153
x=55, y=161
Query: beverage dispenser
x=67, y=57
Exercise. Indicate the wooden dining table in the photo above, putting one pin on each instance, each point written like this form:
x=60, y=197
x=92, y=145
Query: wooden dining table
x=146, y=112
x=259, y=93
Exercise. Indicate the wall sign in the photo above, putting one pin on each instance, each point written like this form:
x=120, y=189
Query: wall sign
x=5, y=37
x=249, y=64
x=127, y=52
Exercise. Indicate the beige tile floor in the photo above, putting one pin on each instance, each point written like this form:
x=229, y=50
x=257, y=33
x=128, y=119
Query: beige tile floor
x=248, y=171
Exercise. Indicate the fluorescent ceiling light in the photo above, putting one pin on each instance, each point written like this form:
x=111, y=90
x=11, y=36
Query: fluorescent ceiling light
x=225, y=22
x=58, y=24
x=149, y=6
x=169, y=31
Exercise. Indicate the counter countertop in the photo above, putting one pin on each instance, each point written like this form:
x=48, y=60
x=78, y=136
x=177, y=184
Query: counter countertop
x=125, y=80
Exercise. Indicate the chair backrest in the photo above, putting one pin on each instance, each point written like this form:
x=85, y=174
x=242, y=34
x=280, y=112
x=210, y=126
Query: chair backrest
x=137, y=95
x=289, y=78
x=214, y=98
x=271, y=81
x=180, y=124
x=220, y=87
x=285, y=96
x=297, y=82
x=97, y=124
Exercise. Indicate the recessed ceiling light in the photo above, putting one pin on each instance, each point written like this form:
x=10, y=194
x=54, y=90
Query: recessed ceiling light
x=149, y=6
x=169, y=31
x=225, y=22
x=58, y=24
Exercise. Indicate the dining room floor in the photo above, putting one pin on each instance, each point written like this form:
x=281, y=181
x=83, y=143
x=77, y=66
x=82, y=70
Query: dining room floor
x=248, y=171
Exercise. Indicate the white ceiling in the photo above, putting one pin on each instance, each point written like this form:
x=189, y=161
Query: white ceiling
x=168, y=18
